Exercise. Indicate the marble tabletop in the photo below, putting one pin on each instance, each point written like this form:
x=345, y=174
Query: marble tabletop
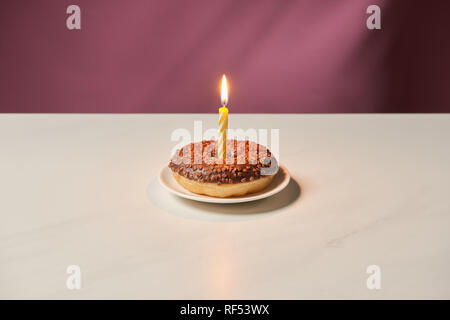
x=366, y=190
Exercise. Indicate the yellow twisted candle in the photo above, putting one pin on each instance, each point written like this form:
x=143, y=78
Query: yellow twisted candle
x=223, y=121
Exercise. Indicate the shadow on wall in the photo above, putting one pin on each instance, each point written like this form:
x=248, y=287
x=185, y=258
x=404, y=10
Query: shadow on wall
x=285, y=56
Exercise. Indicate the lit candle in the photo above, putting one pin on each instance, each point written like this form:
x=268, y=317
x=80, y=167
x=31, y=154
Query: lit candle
x=223, y=121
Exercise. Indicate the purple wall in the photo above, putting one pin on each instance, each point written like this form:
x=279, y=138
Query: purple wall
x=279, y=55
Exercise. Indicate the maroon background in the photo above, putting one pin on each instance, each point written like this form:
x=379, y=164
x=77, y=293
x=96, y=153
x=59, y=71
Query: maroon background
x=279, y=55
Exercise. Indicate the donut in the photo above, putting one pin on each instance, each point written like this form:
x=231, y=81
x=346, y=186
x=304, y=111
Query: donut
x=248, y=168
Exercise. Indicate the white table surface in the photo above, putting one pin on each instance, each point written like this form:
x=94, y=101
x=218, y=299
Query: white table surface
x=367, y=189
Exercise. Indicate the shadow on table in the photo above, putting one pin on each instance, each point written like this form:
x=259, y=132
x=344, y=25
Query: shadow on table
x=219, y=212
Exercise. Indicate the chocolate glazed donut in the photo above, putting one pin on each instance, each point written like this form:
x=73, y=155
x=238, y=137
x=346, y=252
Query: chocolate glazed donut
x=248, y=167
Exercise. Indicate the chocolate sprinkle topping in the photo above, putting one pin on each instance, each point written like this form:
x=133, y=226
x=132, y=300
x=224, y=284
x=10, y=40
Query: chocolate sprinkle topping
x=244, y=161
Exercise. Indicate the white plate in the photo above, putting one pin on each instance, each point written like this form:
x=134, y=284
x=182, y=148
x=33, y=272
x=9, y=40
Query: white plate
x=279, y=182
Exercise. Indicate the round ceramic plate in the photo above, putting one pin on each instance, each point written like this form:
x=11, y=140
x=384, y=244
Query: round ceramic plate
x=279, y=182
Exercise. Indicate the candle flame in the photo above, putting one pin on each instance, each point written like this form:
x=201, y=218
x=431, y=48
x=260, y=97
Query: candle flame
x=224, y=92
